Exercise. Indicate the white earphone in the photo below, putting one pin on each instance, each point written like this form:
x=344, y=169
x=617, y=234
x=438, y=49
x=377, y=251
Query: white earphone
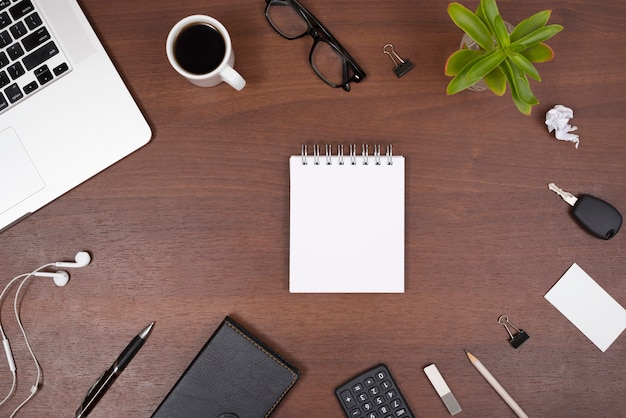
x=61, y=278
x=81, y=260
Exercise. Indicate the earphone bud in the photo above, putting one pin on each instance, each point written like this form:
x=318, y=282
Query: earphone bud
x=81, y=260
x=60, y=277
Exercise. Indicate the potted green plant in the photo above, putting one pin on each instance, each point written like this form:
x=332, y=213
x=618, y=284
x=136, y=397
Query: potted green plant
x=502, y=57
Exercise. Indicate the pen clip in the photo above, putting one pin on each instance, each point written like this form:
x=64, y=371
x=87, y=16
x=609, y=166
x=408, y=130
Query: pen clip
x=94, y=385
x=85, y=404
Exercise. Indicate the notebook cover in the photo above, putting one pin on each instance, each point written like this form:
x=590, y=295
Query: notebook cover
x=235, y=375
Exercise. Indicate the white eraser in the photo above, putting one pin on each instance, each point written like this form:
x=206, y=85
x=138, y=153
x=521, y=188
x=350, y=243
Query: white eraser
x=442, y=389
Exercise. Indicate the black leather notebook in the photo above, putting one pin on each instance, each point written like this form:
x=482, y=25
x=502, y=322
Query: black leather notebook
x=235, y=375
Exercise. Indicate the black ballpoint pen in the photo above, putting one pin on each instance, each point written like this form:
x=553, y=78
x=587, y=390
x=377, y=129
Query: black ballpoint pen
x=105, y=381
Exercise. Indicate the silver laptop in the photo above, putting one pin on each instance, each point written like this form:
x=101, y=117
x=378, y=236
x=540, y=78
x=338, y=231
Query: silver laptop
x=65, y=113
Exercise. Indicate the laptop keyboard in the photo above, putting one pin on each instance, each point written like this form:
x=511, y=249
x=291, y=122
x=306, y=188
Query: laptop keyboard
x=30, y=57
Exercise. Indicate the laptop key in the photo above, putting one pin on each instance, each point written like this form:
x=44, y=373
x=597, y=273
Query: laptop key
x=43, y=74
x=32, y=21
x=16, y=70
x=13, y=93
x=15, y=51
x=5, y=20
x=18, y=30
x=21, y=9
x=36, y=38
x=40, y=55
x=60, y=69
x=30, y=87
x=5, y=38
x=4, y=4
x=4, y=79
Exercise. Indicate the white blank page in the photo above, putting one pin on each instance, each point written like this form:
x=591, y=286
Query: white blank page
x=346, y=225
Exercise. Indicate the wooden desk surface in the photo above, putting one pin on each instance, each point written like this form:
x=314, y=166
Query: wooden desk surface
x=195, y=225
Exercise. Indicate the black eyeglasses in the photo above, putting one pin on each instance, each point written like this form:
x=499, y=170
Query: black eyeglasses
x=329, y=59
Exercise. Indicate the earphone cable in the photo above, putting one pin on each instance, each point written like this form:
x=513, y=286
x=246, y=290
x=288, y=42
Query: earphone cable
x=5, y=340
x=12, y=388
x=16, y=310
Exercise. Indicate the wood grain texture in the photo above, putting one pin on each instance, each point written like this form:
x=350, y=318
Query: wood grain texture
x=195, y=225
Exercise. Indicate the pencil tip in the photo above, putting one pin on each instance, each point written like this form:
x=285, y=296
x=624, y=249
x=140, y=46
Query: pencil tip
x=465, y=349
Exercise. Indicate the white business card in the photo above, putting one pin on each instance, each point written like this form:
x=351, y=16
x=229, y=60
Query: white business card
x=588, y=306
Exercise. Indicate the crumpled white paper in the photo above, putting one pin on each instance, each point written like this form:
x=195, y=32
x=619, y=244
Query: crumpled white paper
x=557, y=120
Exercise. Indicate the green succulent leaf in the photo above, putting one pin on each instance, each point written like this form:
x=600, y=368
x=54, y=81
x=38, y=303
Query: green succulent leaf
x=460, y=59
x=538, y=36
x=475, y=70
x=527, y=26
x=460, y=81
x=502, y=35
x=525, y=65
x=496, y=81
x=522, y=86
x=480, y=14
x=485, y=64
x=471, y=24
x=522, y=106
x=538, y=53
x=490, y=11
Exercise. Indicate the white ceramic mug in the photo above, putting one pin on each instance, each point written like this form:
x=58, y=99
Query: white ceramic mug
x=198, y=54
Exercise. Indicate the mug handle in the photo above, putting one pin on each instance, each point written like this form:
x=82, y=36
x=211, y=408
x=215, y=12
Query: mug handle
x=232, y=77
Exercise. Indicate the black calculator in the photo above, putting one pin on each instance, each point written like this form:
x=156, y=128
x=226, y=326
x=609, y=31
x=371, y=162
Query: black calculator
x=373, y=394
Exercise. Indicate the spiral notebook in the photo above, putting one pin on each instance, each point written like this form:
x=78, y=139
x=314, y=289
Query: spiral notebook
x=346, y=221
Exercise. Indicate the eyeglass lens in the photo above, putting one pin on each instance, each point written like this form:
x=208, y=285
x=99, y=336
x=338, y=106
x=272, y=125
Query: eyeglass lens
x=325, y=60
x=286, y=20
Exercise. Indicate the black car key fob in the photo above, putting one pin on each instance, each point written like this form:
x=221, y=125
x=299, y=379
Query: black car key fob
x=598, y=217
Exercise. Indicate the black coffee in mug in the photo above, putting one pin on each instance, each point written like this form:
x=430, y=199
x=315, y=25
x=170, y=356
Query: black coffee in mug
x=199, y=48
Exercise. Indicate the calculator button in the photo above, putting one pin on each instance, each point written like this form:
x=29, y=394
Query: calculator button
x=369, y=382
x=374, y=391
x=396, y=404
x=347, y=398
x=355, y=413
x=357, y=388
x=379, y=400
x=390, y=394
x=384, y=409
x=367, y=406
x=362, y=397
x=402, y=413
x=372, y=415
x=381, y=375
x=385, y=385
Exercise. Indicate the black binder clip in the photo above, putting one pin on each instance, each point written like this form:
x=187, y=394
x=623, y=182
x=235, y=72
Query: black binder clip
x=401, y=66
x=516, y=339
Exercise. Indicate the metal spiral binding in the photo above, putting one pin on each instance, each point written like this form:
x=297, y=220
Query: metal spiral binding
x=378, y=159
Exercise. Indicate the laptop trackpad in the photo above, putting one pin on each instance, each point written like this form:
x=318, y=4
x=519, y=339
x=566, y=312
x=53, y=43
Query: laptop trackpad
x=19, y=178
